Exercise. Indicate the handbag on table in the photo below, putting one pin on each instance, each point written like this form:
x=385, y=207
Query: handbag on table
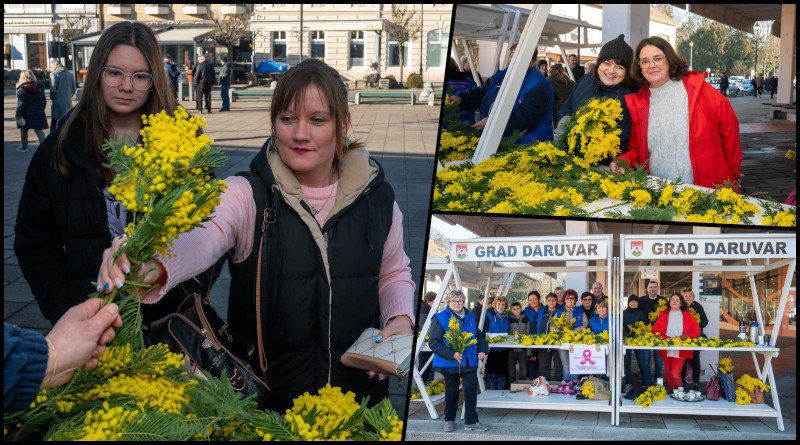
x=391, y=356
x=712, y=389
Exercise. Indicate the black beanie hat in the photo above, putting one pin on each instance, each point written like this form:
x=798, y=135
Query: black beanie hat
x=632, y=297
x=617, y=49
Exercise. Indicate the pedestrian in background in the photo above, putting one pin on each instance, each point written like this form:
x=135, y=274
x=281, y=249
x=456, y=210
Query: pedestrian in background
x=30, y=108
x=173, y=74
x=542, y=67
x=724, y=83
x=577, y=70
x=62, y=88
x=773, y=86
x=204, y=79
x=225, y=84
x=561, y=84
x=759, y=86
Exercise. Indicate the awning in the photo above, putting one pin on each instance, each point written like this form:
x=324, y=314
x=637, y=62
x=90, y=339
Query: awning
x=166, y=36
x=486, y=22
x=739, y=16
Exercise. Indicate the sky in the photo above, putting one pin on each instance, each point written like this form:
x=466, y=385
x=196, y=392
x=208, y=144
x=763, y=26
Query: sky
x=451, y=232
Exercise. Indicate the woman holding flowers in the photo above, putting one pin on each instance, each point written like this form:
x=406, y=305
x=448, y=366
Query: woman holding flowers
x=610, y=79
x=316, y=241
x=676, y=322
x=699, y=314
x=66, y=214
x=681, y=127
x=454, y=364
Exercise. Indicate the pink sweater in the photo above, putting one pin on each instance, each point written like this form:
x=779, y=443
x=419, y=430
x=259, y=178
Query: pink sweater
x=232, y=226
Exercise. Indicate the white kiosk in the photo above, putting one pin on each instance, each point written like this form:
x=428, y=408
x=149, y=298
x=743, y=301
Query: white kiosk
x=770, y=252
x=483, y=256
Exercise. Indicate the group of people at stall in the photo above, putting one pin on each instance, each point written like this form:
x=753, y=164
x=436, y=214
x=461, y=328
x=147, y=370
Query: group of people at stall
x=590, y=310
x=674, y=124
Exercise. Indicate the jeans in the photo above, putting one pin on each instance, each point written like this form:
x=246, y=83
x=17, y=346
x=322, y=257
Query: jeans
x=23, y=135
x=659, y=365
x=428, y=373
x=223, y=89
x=564, y=356
x=469, y=386
x=545, y=358
x=643, y=360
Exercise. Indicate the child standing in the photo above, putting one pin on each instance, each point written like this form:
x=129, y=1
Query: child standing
x=518, y=324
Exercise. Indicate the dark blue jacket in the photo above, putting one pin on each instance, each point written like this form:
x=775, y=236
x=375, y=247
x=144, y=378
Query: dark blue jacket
x=31, y=102
x=24, y=365
x=533, y=316
x=598, y=325
x=587, y=88
x=533, y=108
x=458, y=81
x=439, y=327
x=496, y=323
x=543, y=324
x=577, y=314
x=173, y=73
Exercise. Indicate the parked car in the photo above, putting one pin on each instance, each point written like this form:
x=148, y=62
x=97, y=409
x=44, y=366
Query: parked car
x=714, y=81
x=745, y=88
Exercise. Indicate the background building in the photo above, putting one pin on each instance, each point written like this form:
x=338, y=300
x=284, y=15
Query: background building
x=352, y=37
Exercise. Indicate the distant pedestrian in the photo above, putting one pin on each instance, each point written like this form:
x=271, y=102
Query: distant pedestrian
x=590, y=68
x=577, y=70
x=204, y=79
x=173, y=74
x=759, y=86
x=562, y=85
x=773, y=86
x=724, y=83
x=542, y=67
x=62, y=88
x=225, y=84
x=30, y=108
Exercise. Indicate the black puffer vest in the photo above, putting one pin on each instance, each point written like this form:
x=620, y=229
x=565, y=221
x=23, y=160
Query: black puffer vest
x=307, y=323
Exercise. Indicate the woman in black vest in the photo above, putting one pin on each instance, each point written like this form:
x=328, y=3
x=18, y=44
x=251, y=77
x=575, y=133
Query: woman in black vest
x=315, y=237
x=66, y=215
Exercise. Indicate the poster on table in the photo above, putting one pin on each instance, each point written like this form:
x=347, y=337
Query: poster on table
x=587, y=359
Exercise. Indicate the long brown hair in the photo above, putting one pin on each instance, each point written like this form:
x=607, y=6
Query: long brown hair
x=677, y=64
x=557, y=74
x=292, y=87
x=91, y=112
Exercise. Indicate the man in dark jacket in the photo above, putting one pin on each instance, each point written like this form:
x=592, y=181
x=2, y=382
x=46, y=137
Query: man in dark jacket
x=204, y=79
x=577, y=70
x=225, y=84
x=517, y=357
x=173, y=74
x=697, y=308
x=649, y=303
x=476, y=311
x=532, y=114
x=630, y=316
x=724, y=83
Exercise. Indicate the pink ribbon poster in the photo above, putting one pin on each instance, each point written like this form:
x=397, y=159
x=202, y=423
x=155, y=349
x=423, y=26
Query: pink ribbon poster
x=587, y=359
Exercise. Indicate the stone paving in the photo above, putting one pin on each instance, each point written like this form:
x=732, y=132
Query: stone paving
x=401, y=137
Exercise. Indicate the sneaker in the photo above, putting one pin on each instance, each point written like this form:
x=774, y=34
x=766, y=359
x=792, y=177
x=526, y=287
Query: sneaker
x=449, y=427
x=22, y=149
x=477, y=427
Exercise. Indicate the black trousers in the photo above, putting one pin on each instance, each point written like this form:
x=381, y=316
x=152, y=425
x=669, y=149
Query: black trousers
x=469, y=385
x=423, y=358
x=203, y=90
x=545, y=365
x=695, y=364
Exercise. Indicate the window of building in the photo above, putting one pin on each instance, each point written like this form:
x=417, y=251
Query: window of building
x=664, y=36
x=318, y=45
x=357, y=48
x=279, y=46
x=393, y=54
x=37, y=51
x=437, y=48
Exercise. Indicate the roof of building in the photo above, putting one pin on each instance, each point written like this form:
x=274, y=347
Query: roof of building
x=436, y=251
x=659, y=16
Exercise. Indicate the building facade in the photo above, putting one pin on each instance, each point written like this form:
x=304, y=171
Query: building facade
x=352, y=38
x=28, y=40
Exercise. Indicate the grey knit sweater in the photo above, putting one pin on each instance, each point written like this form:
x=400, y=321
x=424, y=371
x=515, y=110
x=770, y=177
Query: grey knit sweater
x=668, y=132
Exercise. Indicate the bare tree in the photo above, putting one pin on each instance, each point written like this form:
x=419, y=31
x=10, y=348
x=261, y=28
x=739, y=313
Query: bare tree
x=229, y=30
x=402, y=26
x=73, y=27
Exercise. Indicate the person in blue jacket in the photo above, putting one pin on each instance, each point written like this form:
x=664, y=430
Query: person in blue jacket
x=532, y=114
x=610, y=78
x=456, y=81
x=32, y=362
x=532, y=311
x=497, y=322
x=549, y=360
x=579, y=322
x=599, y=322
x=454, y=366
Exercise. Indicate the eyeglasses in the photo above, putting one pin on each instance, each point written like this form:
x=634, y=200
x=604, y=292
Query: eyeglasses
x=114, y=77
x=657, y=61
x=457, y=301
x=570, y=298
x=612, y=66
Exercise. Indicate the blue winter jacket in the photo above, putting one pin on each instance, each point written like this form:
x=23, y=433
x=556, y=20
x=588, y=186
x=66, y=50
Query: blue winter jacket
x=543, y=324
x=533, y=316
x=439, y=327
x=598, y=325
x=24, y=365
x=496, y=323
x=31, y=103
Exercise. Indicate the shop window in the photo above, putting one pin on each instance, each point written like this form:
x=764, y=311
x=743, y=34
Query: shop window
x=393, y=54
x=318, y=45
x=279, y=46
x=437, y=48
x=357, y=48
x=37, y=51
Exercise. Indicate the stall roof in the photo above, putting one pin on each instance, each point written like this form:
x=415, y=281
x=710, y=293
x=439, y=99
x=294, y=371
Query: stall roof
x=740, y=16
x=486, y=22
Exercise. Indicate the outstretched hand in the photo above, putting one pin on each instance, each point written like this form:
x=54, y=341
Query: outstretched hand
x=396, y=326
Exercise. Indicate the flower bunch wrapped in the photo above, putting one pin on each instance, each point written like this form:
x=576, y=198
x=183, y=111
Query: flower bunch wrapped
x=650, y=395
x=434, y=387
x=747, y=387
x=725, y=365
x=456, y=339
x=561, y=178
x=588, y=390
x=583, y=336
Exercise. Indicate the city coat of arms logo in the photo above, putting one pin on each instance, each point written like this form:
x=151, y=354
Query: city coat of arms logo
x=461, y=251
x=637, y=247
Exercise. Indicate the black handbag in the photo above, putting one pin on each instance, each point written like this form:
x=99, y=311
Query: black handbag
x=197, y=331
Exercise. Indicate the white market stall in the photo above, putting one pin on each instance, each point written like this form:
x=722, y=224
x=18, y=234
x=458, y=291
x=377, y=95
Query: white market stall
x=483, y=256
x=773, y=250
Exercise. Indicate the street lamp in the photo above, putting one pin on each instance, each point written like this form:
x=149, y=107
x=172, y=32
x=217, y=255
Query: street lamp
x=756, y=28
x=691, y=50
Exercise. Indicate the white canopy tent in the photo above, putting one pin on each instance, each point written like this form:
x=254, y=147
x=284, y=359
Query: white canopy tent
x=480, y=258
x=501, y=23
x=776, y=251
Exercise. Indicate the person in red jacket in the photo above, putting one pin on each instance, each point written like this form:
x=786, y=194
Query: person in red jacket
x=681, y=127
x=677, y=321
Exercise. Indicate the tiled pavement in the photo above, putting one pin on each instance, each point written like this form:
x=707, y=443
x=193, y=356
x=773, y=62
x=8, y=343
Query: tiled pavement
x=401, y=137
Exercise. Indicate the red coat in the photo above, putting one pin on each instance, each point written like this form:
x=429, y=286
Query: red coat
x=690, y=329
x=714, y=145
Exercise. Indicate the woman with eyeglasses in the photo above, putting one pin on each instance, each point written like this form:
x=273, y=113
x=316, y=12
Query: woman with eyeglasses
x=681, y=127
x=574, y=313
x=455, y=366
x=66, y=215
x=610, y=79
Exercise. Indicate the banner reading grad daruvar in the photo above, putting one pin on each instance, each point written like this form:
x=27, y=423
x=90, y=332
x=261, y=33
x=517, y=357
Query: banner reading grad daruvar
x=709, y=247
x=533, y=249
